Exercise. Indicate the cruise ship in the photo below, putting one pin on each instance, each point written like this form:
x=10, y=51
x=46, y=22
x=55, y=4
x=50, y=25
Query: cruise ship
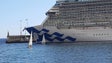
x=76, y=21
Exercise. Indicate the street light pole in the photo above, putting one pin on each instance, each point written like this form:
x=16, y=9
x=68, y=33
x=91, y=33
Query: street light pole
x=26, y=20
x=20, y=27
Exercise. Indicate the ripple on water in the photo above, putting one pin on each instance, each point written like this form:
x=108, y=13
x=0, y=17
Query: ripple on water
x=56, y=53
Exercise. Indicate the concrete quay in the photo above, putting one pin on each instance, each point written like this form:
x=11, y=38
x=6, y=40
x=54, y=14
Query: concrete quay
x=18, y=38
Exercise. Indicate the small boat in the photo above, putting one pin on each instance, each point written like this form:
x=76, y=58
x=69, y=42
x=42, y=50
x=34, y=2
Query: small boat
x=30, y=41
x=43, y=40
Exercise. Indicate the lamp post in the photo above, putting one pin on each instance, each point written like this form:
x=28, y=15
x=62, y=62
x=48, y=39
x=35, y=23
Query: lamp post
x=20, y=30
x=26, y=20
x=20, y=27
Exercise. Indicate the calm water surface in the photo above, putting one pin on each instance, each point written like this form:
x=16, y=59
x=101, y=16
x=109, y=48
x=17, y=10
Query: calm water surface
x=56, y=53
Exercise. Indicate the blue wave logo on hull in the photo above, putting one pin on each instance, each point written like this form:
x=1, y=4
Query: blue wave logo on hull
x=56, y=36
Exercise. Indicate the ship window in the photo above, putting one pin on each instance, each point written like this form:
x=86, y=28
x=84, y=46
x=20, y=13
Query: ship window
x=93, y=34
x=76, y=0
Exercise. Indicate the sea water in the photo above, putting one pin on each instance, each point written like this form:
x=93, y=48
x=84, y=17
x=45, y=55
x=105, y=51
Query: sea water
x=56, y=53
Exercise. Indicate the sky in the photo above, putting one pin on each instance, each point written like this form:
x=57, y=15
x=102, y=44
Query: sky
x=15, y=14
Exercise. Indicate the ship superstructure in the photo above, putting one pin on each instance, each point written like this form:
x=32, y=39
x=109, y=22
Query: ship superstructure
x=76, y=20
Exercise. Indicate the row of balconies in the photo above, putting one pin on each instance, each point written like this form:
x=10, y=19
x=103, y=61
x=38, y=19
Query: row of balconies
x=85, y=3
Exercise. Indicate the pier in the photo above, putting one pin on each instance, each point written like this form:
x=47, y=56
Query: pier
x=18, y=38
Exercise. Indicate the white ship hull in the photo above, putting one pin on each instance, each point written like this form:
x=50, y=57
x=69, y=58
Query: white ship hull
x=95, y=34
x=52, y=34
